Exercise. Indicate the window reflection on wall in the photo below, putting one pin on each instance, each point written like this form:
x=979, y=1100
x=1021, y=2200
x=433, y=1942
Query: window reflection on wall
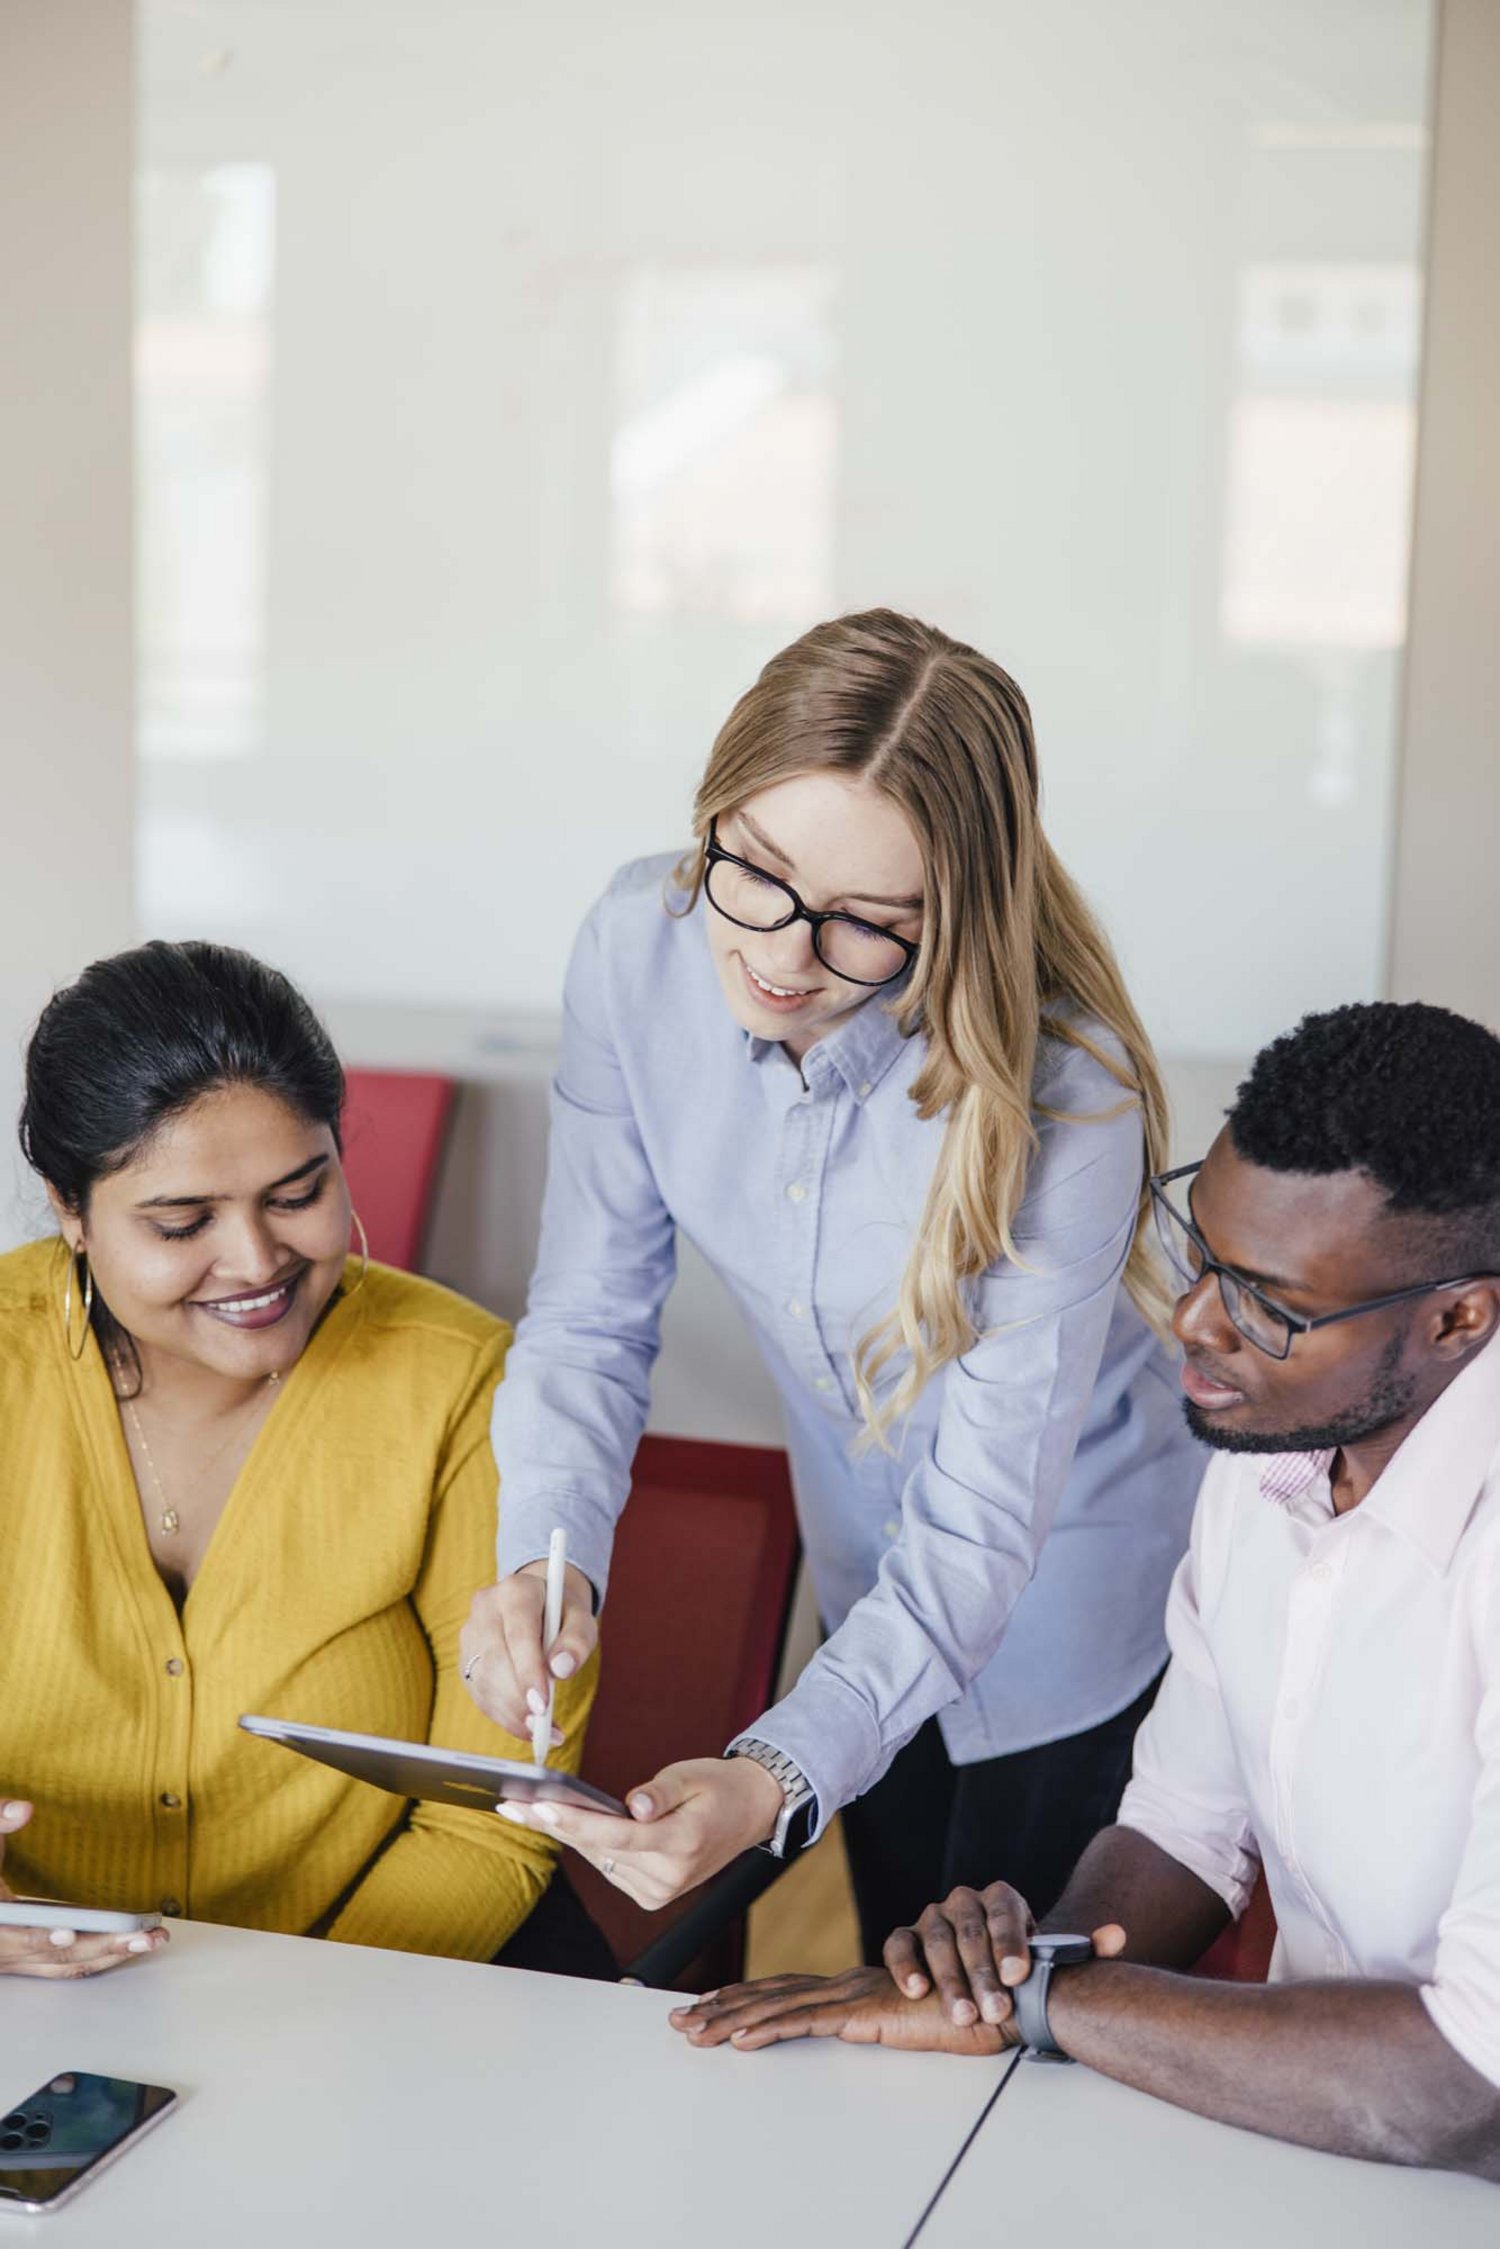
x=203, y=436
x=722, y=466
x=1322, y=447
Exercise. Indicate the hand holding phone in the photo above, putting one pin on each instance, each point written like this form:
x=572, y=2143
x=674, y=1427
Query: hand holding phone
x=61, y=1942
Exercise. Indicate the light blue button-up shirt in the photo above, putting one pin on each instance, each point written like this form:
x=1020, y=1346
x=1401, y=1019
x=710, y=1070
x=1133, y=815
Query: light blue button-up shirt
x=1050, y=1461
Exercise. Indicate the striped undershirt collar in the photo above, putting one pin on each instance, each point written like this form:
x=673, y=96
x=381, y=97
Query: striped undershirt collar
x=1287, y=1475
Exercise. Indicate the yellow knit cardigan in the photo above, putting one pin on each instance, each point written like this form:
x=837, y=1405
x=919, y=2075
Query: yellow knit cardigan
x=333, y=1591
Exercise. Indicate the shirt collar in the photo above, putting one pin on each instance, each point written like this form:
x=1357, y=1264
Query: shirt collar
x=859, y=1051
x=1429, y=1487
x=1286, y=1476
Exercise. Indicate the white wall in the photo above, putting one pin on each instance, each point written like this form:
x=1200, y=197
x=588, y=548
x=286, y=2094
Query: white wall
x=66, y=713
x=1446, y=937
x=543, y=370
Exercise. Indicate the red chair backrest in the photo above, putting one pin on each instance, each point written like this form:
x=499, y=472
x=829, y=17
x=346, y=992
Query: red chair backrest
x=1243, y=1953
x=700, y=1589
x=394, y=1125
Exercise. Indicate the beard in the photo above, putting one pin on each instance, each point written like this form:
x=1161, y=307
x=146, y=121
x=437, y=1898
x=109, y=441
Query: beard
x=1389, y=1399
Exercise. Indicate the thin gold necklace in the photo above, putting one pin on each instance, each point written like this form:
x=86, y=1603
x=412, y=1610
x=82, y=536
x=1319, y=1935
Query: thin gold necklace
x=169, y=1520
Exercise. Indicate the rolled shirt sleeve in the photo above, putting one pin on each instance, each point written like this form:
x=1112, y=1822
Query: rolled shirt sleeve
x=1187, y=1792
x=977, y=1507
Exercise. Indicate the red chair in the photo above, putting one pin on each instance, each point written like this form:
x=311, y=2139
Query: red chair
x=700, y=1592
x=1243, y=1953
x=395, y=1124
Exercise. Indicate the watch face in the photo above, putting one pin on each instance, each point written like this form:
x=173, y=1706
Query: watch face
x=1062, y=1950
x=799, y=1826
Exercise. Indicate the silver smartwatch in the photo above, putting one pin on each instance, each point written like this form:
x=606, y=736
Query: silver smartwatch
x=1029, y=1999
x=799, y=1806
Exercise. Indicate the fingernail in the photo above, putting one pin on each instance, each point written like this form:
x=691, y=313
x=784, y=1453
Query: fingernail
x=64, y=1937
x=964, y=2011
x=515, y=1812
x=564, y=1665
x=545, y=1814
x=995, y=2008
x=139, y=1944
x=536, y=1702
x=1013, y=1970
x=915, y=1987
x=642, y=1807
x=9, y=1811
x=557, y=1737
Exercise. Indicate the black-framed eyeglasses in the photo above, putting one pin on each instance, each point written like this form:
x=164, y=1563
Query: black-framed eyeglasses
x=1259, y=1319
x=861, y=952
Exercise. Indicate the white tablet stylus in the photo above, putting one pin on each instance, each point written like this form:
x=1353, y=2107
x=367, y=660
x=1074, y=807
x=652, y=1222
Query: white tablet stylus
x=557, y=1564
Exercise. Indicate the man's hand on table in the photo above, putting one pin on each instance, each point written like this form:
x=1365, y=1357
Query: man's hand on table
x=863, y=2008
x=945, y=1987
x=973, y=1949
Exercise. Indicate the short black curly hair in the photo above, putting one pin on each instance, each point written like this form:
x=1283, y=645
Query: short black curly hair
x=1406, y=1093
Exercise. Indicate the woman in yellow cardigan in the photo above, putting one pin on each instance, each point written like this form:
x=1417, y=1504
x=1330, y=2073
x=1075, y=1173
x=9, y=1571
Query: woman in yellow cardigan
x=240, y=1470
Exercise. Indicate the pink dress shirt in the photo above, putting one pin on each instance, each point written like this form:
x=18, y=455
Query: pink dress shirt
x=1332, y=1711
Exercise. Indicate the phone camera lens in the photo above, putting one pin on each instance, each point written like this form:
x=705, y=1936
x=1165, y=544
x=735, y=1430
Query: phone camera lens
x=38, y=2132
x=10, y=2140
x=16, y=2123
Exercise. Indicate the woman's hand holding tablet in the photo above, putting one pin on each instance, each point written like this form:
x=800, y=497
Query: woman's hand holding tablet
x=680, y=1828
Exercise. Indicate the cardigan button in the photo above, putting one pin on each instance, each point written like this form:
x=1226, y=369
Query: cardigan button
x=171, y=1905
x=169, y=1801
x=174, y=1667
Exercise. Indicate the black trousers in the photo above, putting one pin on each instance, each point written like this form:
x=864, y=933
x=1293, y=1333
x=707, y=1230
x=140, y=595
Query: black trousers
x=1026, y=1819
x=560, y=1937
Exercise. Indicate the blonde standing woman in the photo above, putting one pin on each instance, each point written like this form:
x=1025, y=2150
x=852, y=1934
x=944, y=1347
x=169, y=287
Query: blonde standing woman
x=868, y=1048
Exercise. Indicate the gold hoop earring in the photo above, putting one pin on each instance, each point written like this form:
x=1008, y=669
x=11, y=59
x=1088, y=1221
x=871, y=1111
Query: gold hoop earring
x=364, y=1249
x=75, y=1258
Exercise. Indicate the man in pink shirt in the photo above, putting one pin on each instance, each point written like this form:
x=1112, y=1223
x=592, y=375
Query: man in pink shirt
x=1331, y=1713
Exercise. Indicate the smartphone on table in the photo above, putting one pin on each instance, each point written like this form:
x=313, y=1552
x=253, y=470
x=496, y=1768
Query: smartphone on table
x=55, y=2140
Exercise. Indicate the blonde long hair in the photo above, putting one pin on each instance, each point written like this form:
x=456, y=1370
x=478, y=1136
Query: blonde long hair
x=1006, y=941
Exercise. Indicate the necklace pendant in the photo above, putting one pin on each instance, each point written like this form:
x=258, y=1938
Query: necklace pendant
x=170, y=1521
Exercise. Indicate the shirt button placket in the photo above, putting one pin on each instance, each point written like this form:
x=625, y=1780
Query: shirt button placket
x=807, y=1126
x=1309, y=1617
x=170, y=1821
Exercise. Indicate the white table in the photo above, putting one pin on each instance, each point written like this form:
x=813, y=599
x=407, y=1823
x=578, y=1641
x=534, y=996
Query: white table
x=1069, y=2160
x=336, y=2095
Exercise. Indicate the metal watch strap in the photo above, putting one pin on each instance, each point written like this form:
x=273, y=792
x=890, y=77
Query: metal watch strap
x=1030, y=1998
x=791, y=1832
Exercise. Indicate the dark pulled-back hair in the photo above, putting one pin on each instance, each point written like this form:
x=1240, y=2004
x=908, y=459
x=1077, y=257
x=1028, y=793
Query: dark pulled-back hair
x=136, y=1041
x=1407, y=1094
x=142, y=1036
